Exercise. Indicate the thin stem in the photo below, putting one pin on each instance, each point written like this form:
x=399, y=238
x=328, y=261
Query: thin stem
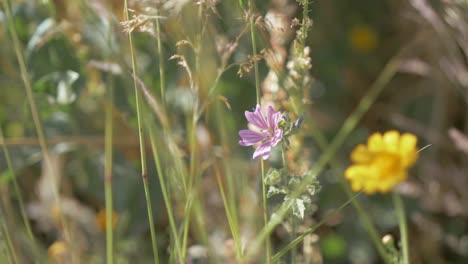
x=305, y=19
x=37, y=120
x=108, y=152
x=18, y=194
x=265, y=212
x=229, y=202
x=162, y=81
x=400, y=210
x=258, y=93
x=293, y=235
x=254, y=50
x=292, y=217
x=190, y=190
x=166, y=197
x=231, y=221
x=108, y=174
x=11, y=252
x=144, y=172
x=192, y=194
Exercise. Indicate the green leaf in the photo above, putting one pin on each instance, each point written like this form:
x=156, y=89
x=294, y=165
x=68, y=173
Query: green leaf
x=298, y=206
x=272, y=190
x=273, y=177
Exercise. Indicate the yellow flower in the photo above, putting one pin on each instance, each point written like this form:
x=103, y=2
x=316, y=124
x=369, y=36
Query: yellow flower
x=58, y=251
x=383, y=163
x=363, y=38
x=101, y=220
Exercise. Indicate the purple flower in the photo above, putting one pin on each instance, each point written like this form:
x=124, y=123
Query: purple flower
x=267, y=131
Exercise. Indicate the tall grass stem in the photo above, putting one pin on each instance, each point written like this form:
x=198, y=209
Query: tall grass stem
x=144, y=172
x=108, y=172
x=19, y=195
x=164, y=190
x=10, y=248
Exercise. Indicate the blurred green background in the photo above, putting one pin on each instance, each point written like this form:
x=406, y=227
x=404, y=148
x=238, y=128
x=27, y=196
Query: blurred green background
x=76, y=50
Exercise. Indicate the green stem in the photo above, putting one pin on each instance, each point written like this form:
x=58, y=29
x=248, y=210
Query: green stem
x=232, y=223
x=19, y=195
x=144, y=172
x=10, y=250
x=229, y=201
x=165, y=193
x=191, y=196
x=162, y=82
x=265, y=212
x=292, y=217
x=108, y=173
x=293, y=236
x=258, y=93
x=305, y=18
x=254, y=50
x=400, y=210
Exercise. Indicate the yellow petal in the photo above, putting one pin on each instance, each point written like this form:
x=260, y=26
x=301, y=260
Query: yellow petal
x=375, y=143
x=392, y=141
x=370, y=187
x=408, y=149
x=356, y=186
x=351, y=172
x=360, y=154
x=408, y=142
x=358, y=172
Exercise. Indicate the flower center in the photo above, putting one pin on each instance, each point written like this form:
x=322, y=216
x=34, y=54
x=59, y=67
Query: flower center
x=387, y=162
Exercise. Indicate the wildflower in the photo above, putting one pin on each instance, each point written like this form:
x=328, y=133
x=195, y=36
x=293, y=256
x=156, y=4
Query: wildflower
x=101, y=219
x=363, y=38
x=267, y=131
x=58, y=251
x=383, y=163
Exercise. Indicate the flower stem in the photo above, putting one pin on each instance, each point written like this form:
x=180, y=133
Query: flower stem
x=400, y=210
x=144, y=172
x=258, y=92
x=265, y=212
x=254, y=50
x=293, y=217
x=108, y=173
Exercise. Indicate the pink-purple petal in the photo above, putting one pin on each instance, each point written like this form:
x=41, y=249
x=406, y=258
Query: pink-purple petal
x=250, y=137
x=270, y=133
x=270, y=117
x=263, y=150
x=276, y=137
x=257, y=118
